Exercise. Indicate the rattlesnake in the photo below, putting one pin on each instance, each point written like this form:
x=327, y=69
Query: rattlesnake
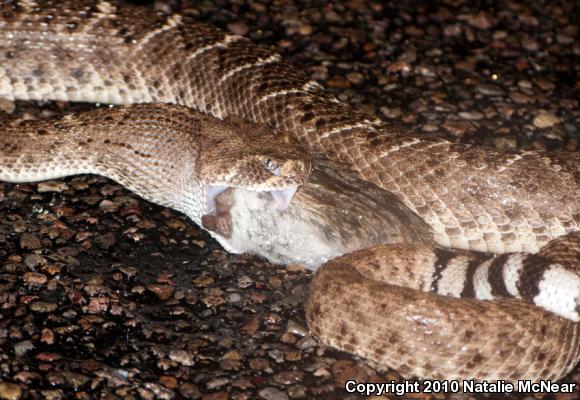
x=469, y=198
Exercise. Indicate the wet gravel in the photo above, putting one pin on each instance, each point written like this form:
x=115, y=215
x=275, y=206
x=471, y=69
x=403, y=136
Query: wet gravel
x=103, y=295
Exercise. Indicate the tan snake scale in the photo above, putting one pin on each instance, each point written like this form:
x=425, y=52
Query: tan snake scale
x=468, y=198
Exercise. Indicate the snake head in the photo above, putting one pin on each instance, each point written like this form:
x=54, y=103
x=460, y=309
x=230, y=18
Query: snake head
x=254, y=158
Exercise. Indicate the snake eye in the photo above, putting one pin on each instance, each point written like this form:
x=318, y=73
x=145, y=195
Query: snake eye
x=272, y=166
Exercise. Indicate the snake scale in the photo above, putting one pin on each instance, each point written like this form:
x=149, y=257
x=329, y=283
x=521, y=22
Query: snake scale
x=396, y=304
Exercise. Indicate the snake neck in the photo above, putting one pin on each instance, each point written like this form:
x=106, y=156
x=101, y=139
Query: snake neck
x=146, y=152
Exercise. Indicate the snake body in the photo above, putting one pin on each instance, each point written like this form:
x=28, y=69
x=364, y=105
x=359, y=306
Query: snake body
x=469, y=198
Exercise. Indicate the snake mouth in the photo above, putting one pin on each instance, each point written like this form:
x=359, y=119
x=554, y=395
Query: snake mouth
x=219, y=201
x=282, y=198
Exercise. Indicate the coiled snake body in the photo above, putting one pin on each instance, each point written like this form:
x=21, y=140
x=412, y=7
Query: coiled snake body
x=455, y=196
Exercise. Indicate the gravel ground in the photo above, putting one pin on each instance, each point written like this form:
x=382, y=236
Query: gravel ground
x=103, y=295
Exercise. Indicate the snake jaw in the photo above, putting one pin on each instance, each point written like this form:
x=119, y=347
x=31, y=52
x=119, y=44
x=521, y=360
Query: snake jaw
x=210, y=193
x=282, y=198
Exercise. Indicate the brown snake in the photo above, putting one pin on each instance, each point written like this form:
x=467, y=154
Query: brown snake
x=456, y=196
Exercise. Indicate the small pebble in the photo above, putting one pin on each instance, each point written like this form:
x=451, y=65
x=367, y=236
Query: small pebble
x=52, y=186
x=238, y=28
x=271, y=393
x=34, y=278
x=7, y=106
x=34, y=260
x=489, y=90
x=30, y=241
x=471, y=115
x=391, y=112
x=21, y=348
x=10, y=391
x=545, y=120
x=297, y=392
x=182, y=357
x=43, y=307
x=163, y=292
